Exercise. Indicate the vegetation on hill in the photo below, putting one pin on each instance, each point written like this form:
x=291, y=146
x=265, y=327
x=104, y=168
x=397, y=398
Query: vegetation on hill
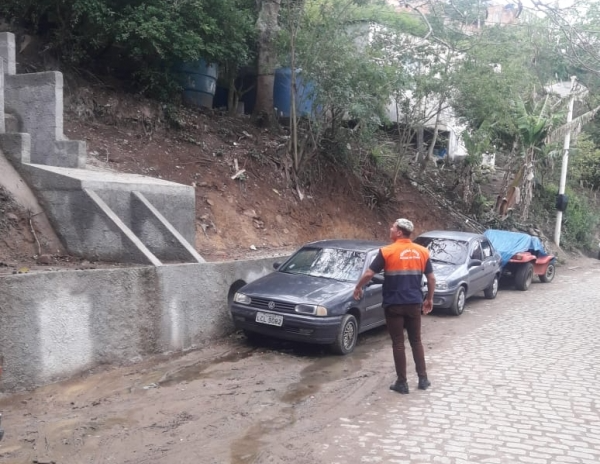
x=365, y=60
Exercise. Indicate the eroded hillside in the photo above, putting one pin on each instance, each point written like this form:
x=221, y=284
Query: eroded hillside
x=256, y=212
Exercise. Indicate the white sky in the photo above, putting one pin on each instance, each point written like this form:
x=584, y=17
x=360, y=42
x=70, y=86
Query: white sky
x=553, y=3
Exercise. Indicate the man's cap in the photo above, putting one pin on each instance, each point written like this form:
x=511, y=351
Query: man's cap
x=405, y=224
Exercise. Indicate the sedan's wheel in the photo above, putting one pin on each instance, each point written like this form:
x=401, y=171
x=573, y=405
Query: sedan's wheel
x=458, y=305
x=524, y=276
x=491, y=292
x=347, y=335
x=548, y=276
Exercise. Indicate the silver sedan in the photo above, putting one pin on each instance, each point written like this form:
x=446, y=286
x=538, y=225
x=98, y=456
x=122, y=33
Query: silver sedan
x=464, y=264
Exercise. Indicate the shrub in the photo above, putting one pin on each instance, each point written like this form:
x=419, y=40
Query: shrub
x=141, y=40
x=580, y=220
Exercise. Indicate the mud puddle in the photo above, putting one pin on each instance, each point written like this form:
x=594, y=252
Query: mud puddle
x=324, y=369
x=196, y=371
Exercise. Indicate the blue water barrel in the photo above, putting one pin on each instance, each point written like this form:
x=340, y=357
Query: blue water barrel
x=199, y=81
x=282, y=93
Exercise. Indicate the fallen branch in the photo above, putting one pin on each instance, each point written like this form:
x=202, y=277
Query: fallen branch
x=240, y=173
x=204, y=160
x=204, y=227
x=34, y=234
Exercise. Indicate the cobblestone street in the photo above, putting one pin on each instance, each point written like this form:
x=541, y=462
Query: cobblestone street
x=514, y=380
x=523, y=388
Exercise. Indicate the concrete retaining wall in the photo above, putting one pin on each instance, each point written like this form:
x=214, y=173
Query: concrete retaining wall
x=54, y=325
x=2, y=116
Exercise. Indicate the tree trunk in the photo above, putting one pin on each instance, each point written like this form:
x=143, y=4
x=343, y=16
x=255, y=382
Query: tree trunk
x=293, y=116
x=527, y=182
x=267, y=27
x=232, y=97
x=429, y=155
x=420, y=142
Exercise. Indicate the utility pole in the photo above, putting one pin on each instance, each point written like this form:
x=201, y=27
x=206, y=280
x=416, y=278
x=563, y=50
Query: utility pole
x=565, y=162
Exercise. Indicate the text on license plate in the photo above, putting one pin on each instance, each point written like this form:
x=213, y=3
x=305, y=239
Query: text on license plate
x=271, y=319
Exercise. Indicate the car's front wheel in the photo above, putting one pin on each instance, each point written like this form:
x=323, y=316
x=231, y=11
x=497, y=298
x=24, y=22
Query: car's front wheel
x=458, y=305
x=252, y=337
x=347, y=335
x=491, y=292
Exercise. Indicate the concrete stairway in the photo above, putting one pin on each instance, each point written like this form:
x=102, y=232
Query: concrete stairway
x=97, y=215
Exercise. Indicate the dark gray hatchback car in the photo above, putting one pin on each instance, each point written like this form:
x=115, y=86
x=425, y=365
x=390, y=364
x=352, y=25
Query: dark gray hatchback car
x=464, y=264
x=309, y=298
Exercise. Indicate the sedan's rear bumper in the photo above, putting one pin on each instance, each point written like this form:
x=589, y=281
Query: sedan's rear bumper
x=295, y=327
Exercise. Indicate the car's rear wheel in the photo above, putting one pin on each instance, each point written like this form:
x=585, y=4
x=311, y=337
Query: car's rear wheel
x=548, y=276
x=347, y=336
x=524, y=276
x=458, y=305
x=491, y=292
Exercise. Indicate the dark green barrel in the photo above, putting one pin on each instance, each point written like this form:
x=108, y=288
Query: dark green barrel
x=199, y=81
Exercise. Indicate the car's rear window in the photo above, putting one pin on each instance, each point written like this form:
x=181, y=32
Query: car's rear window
x=331, y=263
x=445, y=250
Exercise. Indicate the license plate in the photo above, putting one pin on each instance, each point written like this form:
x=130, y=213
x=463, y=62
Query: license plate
x=271, y=319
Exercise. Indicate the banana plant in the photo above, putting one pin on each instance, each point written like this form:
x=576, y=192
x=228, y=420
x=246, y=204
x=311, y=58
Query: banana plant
x=538, y=128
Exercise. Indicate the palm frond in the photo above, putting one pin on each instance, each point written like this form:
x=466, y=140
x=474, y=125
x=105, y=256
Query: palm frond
x=545, y=108
x=574, y=127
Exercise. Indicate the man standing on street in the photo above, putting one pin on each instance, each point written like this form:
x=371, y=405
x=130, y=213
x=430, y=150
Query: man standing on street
x=404, y=264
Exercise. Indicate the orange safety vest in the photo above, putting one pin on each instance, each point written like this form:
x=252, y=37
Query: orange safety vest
x=405, y=264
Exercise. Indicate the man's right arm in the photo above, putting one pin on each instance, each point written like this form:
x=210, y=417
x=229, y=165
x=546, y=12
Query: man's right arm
x=375, y=267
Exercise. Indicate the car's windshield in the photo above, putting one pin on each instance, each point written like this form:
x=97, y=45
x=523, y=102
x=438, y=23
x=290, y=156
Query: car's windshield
x=331, y=263
x=444, y=249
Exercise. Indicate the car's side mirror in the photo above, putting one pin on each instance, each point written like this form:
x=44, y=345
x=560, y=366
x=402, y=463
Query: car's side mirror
x=475, y=262
x=276, y=265
x=377, y=279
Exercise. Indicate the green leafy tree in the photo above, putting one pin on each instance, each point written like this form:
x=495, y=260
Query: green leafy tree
x=496, y=70
x=333, y=43
x=585, y=165
x=140, y=39
x=574, y=30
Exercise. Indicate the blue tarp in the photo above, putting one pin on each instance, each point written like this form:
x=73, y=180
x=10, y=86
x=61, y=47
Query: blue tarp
x=508, y=243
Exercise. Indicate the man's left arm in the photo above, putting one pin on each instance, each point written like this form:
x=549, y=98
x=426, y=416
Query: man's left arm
x=428, y=303
x=366, y=277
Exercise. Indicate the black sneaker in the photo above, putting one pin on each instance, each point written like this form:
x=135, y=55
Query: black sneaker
x=400, y=387
x=424, y=384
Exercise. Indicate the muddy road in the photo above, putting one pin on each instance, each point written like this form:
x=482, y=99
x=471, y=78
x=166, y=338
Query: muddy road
x=233, y=402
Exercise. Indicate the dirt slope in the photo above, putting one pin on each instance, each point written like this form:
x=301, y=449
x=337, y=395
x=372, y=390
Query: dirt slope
x=203, y=148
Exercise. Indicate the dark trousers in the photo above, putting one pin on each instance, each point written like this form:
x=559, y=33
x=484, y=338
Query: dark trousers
x=398, y=318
